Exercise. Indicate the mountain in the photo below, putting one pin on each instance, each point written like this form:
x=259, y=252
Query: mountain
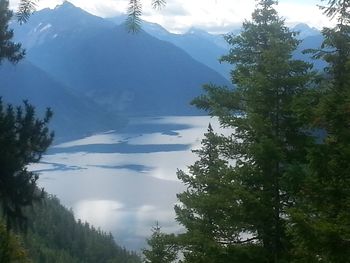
x=305, y=30
x=74, y=116
x=311, y=42
x=134, y=74
x=47, y=25
x=199, y=44
x=208, y=48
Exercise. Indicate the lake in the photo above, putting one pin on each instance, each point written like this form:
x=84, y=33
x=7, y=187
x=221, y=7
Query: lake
x=124, y=182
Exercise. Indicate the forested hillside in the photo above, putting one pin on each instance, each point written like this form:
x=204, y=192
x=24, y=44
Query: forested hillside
x=54, y=235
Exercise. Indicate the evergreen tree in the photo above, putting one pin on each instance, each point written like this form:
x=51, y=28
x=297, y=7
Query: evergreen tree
x=11, y=249
x=322, y=219
x=23, y=139
x=206, y=205
x=8, y=49
x=246, y=220
x=161, y=248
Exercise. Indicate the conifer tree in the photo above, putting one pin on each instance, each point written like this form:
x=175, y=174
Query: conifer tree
x=8, y=49
x=205, y=205
x=161, y=249
x=11, y=248
x=23, y=139
x=266, y=152
x=322, y=219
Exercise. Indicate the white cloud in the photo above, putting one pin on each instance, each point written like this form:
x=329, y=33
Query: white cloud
x=212, y=15
x=310, y=14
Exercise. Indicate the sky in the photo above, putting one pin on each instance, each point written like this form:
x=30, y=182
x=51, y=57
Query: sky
x=215, y=16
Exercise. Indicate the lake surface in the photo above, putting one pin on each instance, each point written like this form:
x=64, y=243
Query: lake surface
x=124, y=182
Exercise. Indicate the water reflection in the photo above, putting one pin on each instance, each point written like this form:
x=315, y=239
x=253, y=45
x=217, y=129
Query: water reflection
x=121, y=190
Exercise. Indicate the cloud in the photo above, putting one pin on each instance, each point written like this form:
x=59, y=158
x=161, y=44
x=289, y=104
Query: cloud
x=215, y=16
x=299, y=12
x=171, y=9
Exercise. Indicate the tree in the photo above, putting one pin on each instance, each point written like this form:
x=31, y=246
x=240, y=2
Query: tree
x=8, y=49
x=321, y=230
x=266, y=152
x=161, y=248
x=205, y=207
x=11, y=248
x=23, y=139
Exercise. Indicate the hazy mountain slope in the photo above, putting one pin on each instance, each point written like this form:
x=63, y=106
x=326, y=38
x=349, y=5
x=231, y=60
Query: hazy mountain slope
x=202, y=46
x=305, y=30
x=208, y=48
x=311, y=42
x=74, y=116
x=132, y=74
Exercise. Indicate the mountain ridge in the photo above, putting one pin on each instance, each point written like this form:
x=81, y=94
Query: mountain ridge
x=73, y=116
x=122, y=72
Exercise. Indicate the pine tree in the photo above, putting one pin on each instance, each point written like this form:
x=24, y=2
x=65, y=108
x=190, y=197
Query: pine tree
x=11, y=249
x=23, y=140
x=322, y=220
x=161, y=249
x=267, y=148
x=8, y=49
x=206, y=205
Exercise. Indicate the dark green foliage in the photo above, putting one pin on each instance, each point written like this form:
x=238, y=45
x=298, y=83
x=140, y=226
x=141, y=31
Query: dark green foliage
x=238, y=212
x=25, y=9
x=322, y=219
x=162, y=248
x=8, y=49
x=23, y=138
x=206, y=206
x=11, y=247
x=54, y=236
x=336, y=8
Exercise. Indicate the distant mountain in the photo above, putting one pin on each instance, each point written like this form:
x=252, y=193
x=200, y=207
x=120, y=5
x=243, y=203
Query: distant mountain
x=311, y=38
x=208, y=48
x=122, y=72
x=305, y=30
x=47, y=26
x=74, y=116
x=202, y=46
x=311, y=42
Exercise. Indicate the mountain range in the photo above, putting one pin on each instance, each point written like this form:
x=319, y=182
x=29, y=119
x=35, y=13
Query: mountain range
x=202, y=46
x=209, y=48
x=134, y=74
x=94, y=74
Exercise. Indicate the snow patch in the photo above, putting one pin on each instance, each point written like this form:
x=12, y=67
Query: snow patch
x=45, y=27
x=37, y=27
